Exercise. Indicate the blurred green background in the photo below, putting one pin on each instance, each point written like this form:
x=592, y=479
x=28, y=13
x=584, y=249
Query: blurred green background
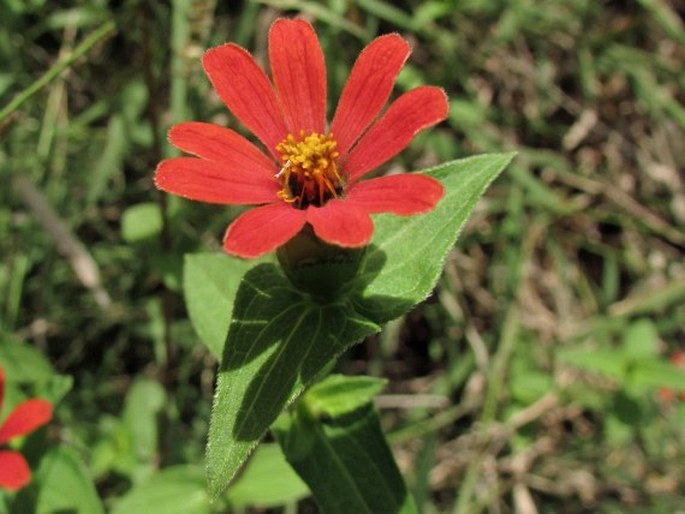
x=536, y=378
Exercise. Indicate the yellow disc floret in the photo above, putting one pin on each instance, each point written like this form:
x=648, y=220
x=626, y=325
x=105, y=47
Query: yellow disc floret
x=309, y=174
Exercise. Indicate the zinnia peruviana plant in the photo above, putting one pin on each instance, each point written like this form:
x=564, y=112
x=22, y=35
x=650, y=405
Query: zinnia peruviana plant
x=279, y=329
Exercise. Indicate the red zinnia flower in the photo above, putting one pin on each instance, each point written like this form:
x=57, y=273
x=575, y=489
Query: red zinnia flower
x=25, y=418
x=309, y=175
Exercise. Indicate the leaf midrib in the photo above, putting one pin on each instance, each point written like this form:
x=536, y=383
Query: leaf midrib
x=277, y=356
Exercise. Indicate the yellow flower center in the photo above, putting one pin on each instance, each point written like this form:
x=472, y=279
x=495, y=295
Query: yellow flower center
x=309, y=174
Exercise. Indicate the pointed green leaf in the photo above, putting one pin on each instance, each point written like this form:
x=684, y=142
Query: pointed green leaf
x=24, y=363
x=346, y=462
x=339, y=394
x=279, y=342
x=174, y=490
x=411, y=251
x=210, y=282
x=268, y=481
x=61, y=470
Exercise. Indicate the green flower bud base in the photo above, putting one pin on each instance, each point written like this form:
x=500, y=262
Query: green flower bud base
x=318, y=268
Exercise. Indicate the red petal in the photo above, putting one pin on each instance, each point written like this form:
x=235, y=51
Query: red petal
x=25, y=418
x=14, y=472
x=403, y=194
x=213, y=182
x=220, y=144
x=299, y=73
x=246, y=91
x=262, y=230
x=410, y=113
x=368, y=88
x=341, y=223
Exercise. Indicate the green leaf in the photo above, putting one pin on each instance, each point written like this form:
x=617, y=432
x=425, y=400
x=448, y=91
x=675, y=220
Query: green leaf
x=65, y=485
x=641, y=340
x=140, y=222
x=23, y=363
x=651, y=374
x=174, y=490
x=528, y=384
x=339, y=394
x=278, y=343
x=144, y=403
x=55, y=389
x=609, y=363
x=210, y=283
x=406, y=255
x=268, y=481
x=345, y=461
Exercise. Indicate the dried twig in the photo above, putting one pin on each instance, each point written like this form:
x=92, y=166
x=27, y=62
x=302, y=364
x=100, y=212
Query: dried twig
x=81, y=261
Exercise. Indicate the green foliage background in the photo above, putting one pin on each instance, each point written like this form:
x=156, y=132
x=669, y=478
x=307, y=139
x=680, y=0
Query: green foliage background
x=529, y=381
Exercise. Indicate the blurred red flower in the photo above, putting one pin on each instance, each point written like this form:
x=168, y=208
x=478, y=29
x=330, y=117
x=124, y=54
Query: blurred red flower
x=666, y=394
x=309, y=175
x=25, y=418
